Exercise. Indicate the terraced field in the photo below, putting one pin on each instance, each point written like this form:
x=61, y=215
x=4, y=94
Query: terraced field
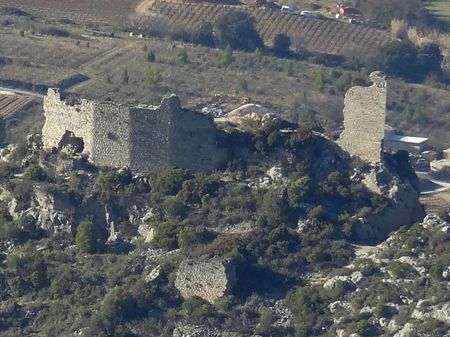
x=107, y=12
x=324, y=36
x=9, y=104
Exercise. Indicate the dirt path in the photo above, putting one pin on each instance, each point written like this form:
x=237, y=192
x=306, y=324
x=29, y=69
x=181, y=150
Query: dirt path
x=144, y=6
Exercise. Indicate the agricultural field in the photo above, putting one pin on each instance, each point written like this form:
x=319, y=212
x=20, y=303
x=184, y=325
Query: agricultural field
x=440, y=8
x=104, y=12
x=323, y=36
x=9, y=104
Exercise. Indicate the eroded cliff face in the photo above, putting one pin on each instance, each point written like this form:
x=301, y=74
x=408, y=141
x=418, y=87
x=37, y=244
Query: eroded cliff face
x=145, y=139
x=403, y=207
x=364, y=119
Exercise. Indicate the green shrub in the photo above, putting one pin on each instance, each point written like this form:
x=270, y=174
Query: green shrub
x=197, y=311
x=191, y=237
x=153, y=78
x=182, y=57
x=237, y=30
x=150, y=57
x=35, y=173
x=227, y=57
x=203, y=35
x=174, y=207
x=168, y=181
x=89, y=238
x=288, y=68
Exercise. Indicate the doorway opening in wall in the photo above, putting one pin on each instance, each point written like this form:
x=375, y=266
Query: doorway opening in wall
x=70, y=140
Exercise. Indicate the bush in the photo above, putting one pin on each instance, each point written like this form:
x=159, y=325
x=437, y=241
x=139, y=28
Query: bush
x=182, y=57
x=399, y=58
x=168, y=181
x=281, y=45
x=125, y=76
x=288, y=68
x=174, y=207
x=344, y=82
x=237, y=30
x=150, y=57
x=153, y=78
x=227, y=57
x=203, y=35
x=89, y=238
x=35, y=173
x=191, y=237
x=106, y=184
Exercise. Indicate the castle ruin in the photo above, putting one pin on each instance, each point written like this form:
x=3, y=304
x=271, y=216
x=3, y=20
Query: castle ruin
x=364, y=119
x=144, y=139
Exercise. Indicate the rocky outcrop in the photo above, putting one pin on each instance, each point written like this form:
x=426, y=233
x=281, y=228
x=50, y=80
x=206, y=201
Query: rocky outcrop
x=209, y=280
x=403, y=206
x=200, y=331
x=47, y=210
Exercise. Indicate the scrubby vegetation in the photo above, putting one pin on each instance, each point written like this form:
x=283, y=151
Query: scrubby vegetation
x=90, y=274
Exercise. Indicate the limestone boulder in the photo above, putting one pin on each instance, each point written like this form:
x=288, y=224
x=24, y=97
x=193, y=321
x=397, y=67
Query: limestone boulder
x=209, y=280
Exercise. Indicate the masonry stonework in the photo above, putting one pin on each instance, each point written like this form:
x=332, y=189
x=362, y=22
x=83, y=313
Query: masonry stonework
x=209, y=280
x=364, y=119
x=144, y=139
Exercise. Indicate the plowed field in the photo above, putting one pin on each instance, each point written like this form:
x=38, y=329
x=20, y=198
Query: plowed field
x=110, y=12
x=324, y=36
x=9, y=104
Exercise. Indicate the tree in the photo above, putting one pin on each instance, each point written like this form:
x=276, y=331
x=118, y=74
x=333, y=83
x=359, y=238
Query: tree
x=182, y=57
x=89, y=238
x=153, y=78
x=344, y=81
x=398, y=58
x=227, y=57
x=281, y=45
x=125, y=76
x=430, y=59
x=405, y=60
x=319, y=80
x=203, y=35
x=237, y=29
x=150, y=57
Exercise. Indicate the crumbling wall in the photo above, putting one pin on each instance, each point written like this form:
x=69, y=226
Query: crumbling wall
x=193, y=142
x=364, y=119
x=144, y=139
x=60, y=117
x=209, y=280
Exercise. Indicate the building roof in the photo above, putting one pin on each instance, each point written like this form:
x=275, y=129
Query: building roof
x=407, y=139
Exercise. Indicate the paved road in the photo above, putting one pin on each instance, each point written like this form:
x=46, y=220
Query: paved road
x=4, y=90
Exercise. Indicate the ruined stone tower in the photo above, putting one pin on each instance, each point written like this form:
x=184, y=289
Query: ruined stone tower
x=364, y=119
x=144, y=139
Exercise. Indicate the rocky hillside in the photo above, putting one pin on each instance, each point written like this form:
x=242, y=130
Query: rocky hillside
x=267, y=246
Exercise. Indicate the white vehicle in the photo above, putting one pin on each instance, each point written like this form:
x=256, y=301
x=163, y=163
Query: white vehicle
x=309, y=14
x=289, y=10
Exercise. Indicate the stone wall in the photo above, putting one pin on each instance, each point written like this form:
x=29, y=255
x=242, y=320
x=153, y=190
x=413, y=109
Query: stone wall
x=209, y=280
x=364, y=119
x=143, y=138
x=60, y=117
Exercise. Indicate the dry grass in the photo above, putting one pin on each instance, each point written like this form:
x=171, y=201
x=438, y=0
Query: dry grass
x=399, y=29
